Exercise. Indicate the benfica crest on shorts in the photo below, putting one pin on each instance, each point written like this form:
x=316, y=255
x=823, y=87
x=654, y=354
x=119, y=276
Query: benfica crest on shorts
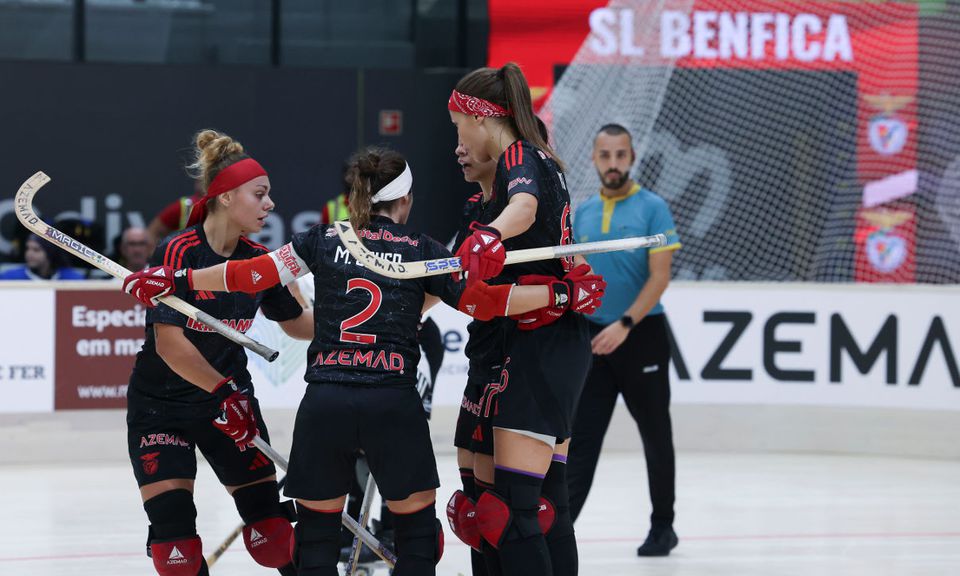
x=150, y=463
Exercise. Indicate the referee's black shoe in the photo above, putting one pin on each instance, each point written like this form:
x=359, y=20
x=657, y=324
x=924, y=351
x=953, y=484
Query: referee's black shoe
x=659, y=542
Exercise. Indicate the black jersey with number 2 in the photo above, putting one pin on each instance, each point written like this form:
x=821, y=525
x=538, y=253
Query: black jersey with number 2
x=189, y=249
x=365, y=330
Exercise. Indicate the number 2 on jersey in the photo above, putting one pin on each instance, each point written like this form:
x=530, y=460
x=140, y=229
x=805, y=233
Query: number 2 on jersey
x=376, y=297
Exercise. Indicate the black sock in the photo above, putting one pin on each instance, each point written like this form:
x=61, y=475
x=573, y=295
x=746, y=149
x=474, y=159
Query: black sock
x=523, y=550
x=469, y=483
x=317, y=549
x=561, y=539
x=417, y=542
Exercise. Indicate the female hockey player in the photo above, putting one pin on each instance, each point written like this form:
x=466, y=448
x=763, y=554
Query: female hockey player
x=362, y=361
x=530, y=408
x=186, y=377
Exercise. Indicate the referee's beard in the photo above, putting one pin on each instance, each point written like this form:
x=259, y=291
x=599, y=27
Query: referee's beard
x=614, y=179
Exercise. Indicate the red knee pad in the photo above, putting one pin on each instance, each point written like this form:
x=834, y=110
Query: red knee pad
x=178, y=557
x=462, y=516
x=493, y=517
x=546, y=514
x=268, y=541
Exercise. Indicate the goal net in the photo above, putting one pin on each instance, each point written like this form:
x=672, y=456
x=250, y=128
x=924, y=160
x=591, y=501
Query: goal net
x=793, y=140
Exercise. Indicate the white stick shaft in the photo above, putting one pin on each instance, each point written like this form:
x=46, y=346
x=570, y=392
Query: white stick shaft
x=379, y=549
x=29, y=218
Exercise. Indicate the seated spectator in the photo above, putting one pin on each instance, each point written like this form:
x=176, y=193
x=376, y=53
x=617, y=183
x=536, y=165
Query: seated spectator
x=174, y=215
x=43, y=262
x=135, y=248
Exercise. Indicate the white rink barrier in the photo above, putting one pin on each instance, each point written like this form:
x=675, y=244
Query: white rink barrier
x=861, y=368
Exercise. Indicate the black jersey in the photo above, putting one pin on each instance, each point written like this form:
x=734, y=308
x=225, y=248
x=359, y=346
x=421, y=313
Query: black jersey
x=189, y=249
x=365, y=330
x=522, y=168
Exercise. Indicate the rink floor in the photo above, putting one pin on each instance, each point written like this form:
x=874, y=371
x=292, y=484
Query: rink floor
x=744, y=515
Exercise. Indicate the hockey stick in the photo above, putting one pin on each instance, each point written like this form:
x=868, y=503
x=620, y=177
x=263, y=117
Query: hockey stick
x=29, y=218
x=408, y=270
x=212, y=559
x=364, y=519
x=366, y=537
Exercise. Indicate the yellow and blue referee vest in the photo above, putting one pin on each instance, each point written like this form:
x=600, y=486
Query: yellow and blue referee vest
x=639, y=213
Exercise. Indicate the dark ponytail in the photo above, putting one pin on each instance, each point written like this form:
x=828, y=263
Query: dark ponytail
x=368, y=171
x=507, y=87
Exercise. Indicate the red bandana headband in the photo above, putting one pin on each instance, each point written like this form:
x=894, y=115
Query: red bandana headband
x=474, y=106
x=233, y=176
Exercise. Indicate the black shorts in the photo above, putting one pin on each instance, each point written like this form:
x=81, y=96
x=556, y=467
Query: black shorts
x=162, y=438
x=474, y=433
x=542, y=378
x=335, y=421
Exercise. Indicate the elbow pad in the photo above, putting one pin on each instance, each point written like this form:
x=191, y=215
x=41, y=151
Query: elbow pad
x=250, y=276
x=485, y=302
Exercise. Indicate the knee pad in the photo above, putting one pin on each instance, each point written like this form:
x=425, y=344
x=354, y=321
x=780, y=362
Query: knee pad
x=267, y=531
x=462, y=516
x=182, y=557
x=419, y=536
x=317, y=540
x=269, y=541
x=546, y=515
x=172, y=515
x=498, y=522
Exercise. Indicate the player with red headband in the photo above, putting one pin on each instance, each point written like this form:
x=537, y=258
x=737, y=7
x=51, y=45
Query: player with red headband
x=190, y=388
x=545, y=354
x=361, y=368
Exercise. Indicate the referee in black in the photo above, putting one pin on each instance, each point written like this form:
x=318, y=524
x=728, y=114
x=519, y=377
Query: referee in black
x=629, y=334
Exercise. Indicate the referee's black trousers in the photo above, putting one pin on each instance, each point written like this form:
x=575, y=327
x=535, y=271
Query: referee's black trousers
x=638, y=369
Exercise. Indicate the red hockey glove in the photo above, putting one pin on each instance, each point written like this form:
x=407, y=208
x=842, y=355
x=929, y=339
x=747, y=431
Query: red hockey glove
x=481, y=254
x=586, y=289
x=578, y=291
x=485, y=302
x=236, y=418
x=152, y=283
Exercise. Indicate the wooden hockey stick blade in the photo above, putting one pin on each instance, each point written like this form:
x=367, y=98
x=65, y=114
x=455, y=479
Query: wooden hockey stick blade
x=419, y=269
x=364, y=519
x=229, y=540
x=366, y=537
x=28, y=217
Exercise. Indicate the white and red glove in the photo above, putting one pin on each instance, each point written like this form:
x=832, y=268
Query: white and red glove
x=481, y=254
x=578, y=291
x=236, y=418
x=155, y=282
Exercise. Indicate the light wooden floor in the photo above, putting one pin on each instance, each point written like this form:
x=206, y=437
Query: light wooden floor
x=744, y=515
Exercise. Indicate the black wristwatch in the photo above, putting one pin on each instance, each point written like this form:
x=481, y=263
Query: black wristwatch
x=627, y=321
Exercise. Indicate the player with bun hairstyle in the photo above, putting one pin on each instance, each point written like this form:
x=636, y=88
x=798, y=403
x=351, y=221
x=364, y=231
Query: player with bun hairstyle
x=546, y=353
x=361, y=364
x=190, y=388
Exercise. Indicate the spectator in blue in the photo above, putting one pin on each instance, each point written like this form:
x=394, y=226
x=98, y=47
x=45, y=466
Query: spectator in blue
x=43, y=261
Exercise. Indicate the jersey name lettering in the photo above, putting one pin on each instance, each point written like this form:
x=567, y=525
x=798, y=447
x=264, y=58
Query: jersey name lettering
x=341, y=255
x=242, y=324
x=350, y=357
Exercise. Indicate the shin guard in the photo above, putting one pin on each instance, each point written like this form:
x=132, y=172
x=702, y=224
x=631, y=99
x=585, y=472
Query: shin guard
x=509, y=519
x=561, y=539
x=317, y=542
x=419, y=542
x=462, y=516
x=173, y=542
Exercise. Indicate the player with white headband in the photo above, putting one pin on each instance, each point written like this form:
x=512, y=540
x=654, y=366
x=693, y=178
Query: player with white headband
x=544, y=355
x=361, y=365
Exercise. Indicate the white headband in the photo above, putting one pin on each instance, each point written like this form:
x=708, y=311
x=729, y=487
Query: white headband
x=396, y=188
